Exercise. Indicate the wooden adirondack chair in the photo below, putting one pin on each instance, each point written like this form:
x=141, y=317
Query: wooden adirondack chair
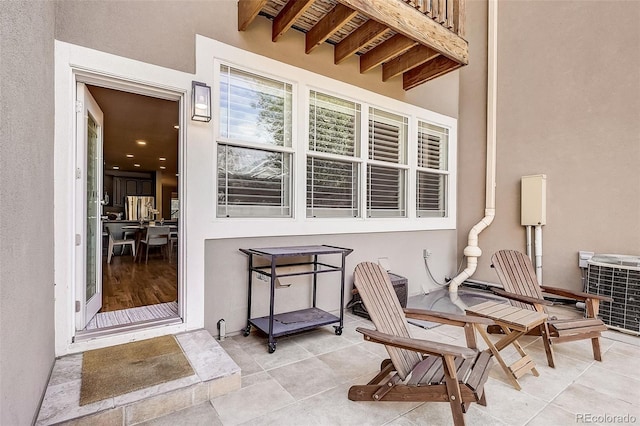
x=418, y=370
x=518, y=277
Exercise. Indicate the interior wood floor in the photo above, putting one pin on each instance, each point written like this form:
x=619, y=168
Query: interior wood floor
x=126, y=284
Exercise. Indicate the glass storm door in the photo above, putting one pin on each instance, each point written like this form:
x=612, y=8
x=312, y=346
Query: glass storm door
x=89, y=207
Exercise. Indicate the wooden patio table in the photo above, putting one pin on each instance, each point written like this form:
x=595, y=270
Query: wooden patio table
x=515, y=322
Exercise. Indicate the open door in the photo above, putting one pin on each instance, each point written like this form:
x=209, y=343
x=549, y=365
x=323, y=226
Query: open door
x=89, y=125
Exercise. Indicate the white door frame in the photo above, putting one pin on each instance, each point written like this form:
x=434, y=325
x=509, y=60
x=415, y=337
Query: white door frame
x=78, y=64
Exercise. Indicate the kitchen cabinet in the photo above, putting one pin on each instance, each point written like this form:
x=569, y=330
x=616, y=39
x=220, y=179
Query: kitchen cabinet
x=125, y=186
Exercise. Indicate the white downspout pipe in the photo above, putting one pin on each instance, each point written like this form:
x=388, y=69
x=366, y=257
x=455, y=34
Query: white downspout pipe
x=472, y=252
x=528, y=227
x=538, y=251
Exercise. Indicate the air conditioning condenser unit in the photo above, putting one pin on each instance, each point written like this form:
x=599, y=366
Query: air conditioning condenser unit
x=617, y=276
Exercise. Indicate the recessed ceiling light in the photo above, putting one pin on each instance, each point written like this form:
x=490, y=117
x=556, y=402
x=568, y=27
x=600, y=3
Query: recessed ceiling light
x=176, y=127
x=162, y=167
x=116, y=167
x=136, y=165
x=163, y=158
x=176, y=174
x=129, y=155
x=141, y=142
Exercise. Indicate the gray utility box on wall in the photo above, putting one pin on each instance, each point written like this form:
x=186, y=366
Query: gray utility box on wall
x=400, y=285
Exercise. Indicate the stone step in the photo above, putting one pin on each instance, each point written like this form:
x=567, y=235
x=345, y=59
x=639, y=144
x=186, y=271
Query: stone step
x=215, y=374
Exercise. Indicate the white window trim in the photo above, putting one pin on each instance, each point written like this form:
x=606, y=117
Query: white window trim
x=210, y=52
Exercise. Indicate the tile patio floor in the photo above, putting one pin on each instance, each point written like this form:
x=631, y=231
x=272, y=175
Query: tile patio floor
x=305, y=382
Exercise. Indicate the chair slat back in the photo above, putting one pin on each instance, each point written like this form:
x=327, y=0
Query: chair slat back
x=517, y=275
x=386, y=313
x=157, y=235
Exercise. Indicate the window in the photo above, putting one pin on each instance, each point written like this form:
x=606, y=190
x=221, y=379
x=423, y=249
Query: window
x=324, y=156
x=387, y=165
x=332, y=162
x=254, y=148
x=432, y=171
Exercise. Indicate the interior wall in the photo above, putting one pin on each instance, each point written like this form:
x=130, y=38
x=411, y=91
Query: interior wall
x=568, y=107
x=26, y=207
x=226, y=269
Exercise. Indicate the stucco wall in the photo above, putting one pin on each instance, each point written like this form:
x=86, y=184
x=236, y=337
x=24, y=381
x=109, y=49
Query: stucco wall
x=226, y=269
x=26, y=207
x=568, y=107
x=163, y=33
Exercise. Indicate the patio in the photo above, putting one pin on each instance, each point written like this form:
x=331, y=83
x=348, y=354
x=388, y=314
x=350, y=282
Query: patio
x=307, y=379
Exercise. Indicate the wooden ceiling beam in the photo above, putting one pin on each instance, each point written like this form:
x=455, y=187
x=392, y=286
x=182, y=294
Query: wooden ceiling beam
x=329, y=24
x=385, y=51
x=412, y=58
x=247, y=12
x=410, y=22
x=359, y=38
x=288, y=16
x=428, y=71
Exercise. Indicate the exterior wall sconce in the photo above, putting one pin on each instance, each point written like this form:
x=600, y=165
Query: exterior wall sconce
x=200, y=102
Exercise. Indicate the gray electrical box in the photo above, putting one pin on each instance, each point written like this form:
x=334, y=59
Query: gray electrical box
x=533, y=199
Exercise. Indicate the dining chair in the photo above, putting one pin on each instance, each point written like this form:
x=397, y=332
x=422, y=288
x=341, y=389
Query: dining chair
x=156, y=236
x=173, y=241
x=113, y=243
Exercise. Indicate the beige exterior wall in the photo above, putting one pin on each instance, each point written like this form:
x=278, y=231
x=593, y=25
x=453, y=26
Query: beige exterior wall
x=26, y=207
x=568, y=107
x=226, y=271
x=163, y=33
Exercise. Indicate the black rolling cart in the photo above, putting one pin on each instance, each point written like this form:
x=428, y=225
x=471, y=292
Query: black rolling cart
x=276, y=325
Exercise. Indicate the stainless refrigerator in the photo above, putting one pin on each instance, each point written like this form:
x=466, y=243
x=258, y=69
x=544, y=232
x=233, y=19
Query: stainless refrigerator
x=138, y=207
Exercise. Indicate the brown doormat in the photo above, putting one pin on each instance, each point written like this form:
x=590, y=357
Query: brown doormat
x=121, y=369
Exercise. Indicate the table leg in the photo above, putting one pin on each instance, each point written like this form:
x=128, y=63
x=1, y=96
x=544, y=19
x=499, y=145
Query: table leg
x=521, y=351
x=496, y=354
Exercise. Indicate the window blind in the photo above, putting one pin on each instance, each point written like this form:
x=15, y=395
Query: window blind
x=431, y=176
x=334, y=125
x=254, y=108
x=431, y=190
x=332, y=188
x=332, y=170
x=386, y=184
x=253, y=182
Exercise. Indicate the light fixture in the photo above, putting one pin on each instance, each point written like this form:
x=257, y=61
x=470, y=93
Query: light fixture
x=129, y=155
x=162, y=167
x=116, y=167
x=163, y=158
x=141, y=142
x=200, y=102
x=176, y=127
x=136, y=165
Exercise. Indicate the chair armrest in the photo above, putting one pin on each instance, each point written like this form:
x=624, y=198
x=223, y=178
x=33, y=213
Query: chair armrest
x=441, y=317
x=521, y=298
x=578, y=295
x=416, y=345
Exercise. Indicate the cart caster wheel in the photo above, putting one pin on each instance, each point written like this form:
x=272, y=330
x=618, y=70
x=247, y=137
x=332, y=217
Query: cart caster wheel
x=338, y=330
x=246, y=331
x=272, y=347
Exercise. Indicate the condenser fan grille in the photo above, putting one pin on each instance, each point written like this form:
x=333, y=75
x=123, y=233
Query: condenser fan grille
x=617, y=276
